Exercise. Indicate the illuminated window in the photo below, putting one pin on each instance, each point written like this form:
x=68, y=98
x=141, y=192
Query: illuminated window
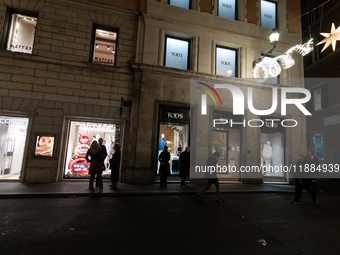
x=177, y=53
x=268, y=14
x=227, y=9
x=104, y=46
x=19, y=34
x=180, y=3
x=317, y=99
x=226, y=61
x=318, y=143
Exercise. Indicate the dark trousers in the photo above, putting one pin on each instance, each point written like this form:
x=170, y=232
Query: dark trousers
x=99, y=180
x=183, y=179
x=299, y=185
x=164, y=177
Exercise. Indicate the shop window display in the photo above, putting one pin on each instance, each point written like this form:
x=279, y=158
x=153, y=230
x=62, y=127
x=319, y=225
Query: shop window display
x=272, y=154
x=104, y=48
x=81, y=135
x=13, y=132
x=176, y=137
x=21, y=33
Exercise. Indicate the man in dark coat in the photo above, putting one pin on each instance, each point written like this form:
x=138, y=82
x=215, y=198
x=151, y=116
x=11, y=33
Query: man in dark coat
x=212, y=178
x=185, y=165
x=164, y=168
x=104, y=151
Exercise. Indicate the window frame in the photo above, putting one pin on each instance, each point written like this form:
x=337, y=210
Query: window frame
x=276, y=13
x=236, y=10
x=93, y=39
x=8, y=21
x=236, y=60
x=189, y=50
x=190, y=5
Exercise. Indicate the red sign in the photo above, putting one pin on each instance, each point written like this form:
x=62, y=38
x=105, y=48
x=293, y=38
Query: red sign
x=84, y=139
x=80, y=166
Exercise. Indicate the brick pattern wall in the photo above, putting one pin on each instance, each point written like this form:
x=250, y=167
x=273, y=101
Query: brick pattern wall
x=58, y=80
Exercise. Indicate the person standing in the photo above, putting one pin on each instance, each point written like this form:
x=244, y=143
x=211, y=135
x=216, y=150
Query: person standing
x=104, y=151
x=303, y=183
x=94, y=156
x=212, y=162
x=115, y=165
x=164, y=168
x=185, y=165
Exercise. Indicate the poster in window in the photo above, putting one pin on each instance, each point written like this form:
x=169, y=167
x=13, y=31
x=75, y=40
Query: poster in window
x=177, y=53
x=225, y=62
x=44, y=145
x=226, y=9
x=268, y=14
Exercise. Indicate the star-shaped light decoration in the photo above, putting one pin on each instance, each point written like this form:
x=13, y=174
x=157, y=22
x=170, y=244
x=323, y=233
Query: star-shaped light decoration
x=331, y=38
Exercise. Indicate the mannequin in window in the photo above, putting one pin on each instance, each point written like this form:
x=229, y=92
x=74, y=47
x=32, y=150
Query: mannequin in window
x=161, y=143
x=267, y=155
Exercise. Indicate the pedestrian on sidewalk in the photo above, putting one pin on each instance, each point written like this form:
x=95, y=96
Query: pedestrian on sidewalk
x=212, y=162
x=94, y=156
x=185, y=165
x=104, y=154
x=164, y=168
x=303, y=183
x=115, y=165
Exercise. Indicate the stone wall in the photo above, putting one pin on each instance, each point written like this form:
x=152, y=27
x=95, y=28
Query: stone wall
x=58, y=80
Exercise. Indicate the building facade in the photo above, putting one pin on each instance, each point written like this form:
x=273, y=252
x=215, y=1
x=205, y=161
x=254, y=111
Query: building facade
x=179, y=41
x=321, y=72
x=123, y=71
x=65, y=81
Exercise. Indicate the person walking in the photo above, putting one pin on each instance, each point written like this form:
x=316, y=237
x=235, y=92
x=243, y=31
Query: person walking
x=164, y=168
x=185, y=165
x=115, y=165
x=94, y=156
x=211, y=161
x=303, y=183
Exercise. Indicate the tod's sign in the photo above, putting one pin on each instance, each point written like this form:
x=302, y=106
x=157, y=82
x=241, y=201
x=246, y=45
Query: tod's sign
x=174, y=114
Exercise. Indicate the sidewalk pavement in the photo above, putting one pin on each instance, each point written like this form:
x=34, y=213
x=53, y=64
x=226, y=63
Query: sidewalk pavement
x=77, y=189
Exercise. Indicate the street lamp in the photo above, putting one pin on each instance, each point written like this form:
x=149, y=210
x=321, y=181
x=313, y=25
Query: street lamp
x=274, y=36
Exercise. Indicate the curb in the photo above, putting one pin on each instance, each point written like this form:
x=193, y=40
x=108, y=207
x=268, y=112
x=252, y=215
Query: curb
x=134, y=193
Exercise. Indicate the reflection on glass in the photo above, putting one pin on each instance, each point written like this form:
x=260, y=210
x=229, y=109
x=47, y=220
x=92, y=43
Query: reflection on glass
x=104, y=47
x=21, y=33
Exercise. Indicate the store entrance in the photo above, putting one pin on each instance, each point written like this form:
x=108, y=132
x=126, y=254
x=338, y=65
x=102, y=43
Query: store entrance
x=227, y=143
x=176, y=137
x=173, y=132
x=13, y=131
